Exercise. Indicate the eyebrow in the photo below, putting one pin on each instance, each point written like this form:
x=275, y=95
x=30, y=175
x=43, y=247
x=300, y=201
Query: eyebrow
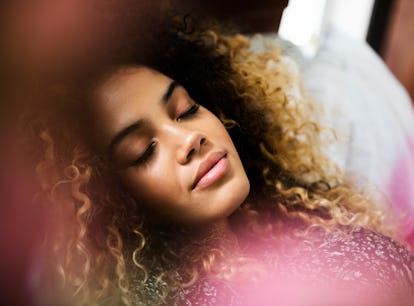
x=166, y=97
x=139, y=124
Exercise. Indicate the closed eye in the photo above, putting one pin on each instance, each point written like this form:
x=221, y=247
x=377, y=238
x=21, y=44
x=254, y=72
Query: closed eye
x=146, y=156
x=188, y=113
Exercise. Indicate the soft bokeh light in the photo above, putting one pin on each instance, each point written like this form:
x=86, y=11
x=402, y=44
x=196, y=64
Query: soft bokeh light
x=304, y=21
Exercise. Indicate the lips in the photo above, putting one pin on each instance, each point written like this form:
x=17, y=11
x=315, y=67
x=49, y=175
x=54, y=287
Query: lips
x=210, y=170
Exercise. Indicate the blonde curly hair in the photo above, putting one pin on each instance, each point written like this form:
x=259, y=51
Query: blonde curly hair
x=102, y=241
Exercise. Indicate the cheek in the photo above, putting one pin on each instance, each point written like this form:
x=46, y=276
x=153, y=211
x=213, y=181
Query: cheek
x=222, y=134
x=219, y=127
x=155, y=187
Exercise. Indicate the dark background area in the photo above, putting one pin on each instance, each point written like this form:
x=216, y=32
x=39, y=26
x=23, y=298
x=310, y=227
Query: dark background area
x=398, y=46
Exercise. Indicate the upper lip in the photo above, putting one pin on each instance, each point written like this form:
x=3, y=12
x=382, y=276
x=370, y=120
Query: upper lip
x=206, y=165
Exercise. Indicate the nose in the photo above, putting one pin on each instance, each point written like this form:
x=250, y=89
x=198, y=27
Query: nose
x=189, y=145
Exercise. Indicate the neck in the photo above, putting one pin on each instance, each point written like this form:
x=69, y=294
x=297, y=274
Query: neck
x=223, y=235
x=218, y=235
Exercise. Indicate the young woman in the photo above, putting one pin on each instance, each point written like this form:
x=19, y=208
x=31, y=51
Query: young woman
x=196, y=177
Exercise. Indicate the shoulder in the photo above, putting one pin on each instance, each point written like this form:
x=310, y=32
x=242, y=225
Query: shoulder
x=352, y=263
x=363, y=245
x=357, y=258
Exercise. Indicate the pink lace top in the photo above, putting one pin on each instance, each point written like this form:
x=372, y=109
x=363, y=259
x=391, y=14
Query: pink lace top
x=350, y=267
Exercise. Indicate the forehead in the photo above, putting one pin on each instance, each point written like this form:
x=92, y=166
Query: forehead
x=123, y=97
x=128, y=87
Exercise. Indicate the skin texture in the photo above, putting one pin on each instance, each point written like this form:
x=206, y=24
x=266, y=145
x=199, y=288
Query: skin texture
x=159, y=161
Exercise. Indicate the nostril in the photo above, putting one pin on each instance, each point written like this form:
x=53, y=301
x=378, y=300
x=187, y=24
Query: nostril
x=202, y=141
x=190, y=153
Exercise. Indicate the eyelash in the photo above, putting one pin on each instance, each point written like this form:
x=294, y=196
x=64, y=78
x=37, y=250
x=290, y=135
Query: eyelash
x=146, y=156
x=191, y=111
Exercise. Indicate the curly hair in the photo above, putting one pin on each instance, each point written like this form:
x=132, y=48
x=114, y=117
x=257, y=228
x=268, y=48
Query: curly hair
x=106, y=251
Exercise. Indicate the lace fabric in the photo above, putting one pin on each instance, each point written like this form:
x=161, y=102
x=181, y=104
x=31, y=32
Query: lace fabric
x=350, y=267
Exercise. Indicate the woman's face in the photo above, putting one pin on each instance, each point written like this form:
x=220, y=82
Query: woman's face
x=173, y=155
